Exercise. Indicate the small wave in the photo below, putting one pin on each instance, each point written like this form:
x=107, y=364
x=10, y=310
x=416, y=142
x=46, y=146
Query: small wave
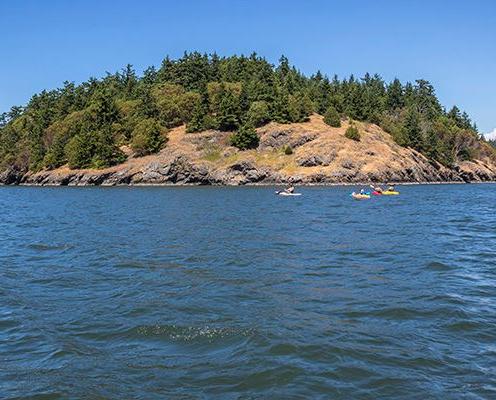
x=283, y=349
x=404, y=313
x=41, y=396
x=48, y=247
x=130, y=264
x=6, y=324
x=438, y=266
x=463, y=326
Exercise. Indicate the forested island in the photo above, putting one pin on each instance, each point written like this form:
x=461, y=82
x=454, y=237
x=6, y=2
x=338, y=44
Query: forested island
x=205, y=119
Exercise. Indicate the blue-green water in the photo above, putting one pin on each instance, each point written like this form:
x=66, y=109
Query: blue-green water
x=227, y=293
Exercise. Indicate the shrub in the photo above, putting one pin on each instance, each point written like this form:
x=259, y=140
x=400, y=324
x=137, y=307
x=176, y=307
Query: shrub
x=245, y=138
x=288, y=150
x=332, y=118
x=352, y=133
x=147, y=137
x=175, y=106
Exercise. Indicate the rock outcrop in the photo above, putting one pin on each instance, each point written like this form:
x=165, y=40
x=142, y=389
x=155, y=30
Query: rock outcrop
x=320, y=155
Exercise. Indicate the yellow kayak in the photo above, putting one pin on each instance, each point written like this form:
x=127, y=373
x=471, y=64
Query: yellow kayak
x=390, y=193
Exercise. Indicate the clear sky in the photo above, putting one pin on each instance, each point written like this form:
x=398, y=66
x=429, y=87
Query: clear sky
x=451, y=43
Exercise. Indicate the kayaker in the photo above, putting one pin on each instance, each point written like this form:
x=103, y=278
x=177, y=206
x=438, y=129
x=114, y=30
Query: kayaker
x=377, y=189
x=362, y=191
x=290, y=189
x=390, y=188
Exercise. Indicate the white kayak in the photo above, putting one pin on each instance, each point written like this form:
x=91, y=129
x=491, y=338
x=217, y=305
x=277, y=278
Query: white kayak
x=283, y=193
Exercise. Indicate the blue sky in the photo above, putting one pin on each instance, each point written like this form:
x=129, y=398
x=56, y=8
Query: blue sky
x=450, y=43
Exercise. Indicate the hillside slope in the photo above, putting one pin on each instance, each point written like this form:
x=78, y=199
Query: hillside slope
x=320, y=155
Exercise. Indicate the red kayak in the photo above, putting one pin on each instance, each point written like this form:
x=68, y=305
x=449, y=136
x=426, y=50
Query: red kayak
x=376, y=193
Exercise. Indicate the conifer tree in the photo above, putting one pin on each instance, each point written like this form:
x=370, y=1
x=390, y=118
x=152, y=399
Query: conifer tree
x=246, y=138
x=228, y=118
x=412, y=129
x=147, y=137
x=332, y=117
x=395, y=95
x=258, y=114
x=197, y=121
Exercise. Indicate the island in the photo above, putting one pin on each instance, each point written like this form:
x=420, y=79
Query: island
x=210, y=120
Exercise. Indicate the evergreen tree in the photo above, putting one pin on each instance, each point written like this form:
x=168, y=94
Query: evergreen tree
x=280, y=111
x=197, y=121
x=332, y=117
x=412, y=129
x=148, y=107
x=147, y=137
x=246, y=138
x=129, y=80
x=228, y=118
x=106, y=152
x=352, y=133
x=258, y=114
x=150, y=76
x=104, y=109
x=395, y=95
x=425, y=99
x=79, y=151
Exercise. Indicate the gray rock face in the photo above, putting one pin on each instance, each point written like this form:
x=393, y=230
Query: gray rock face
x=316, y=160
x=311, y=161
x=303, y=139
x=274, y=140
x=348, y=164
x=243, y=173
x=280, y=139
x=11, y=176
x=180, y=170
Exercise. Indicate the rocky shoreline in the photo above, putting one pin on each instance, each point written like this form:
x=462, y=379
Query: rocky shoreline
x=320, y=156
x=181, y=171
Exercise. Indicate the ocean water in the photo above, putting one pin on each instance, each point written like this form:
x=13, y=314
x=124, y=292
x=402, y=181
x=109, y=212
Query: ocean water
x=235, y=293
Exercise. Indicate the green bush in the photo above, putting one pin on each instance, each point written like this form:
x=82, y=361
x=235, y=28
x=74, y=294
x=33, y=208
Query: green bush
x=245, y=138
x=352, y=133
x=147, y=137
x=332, y=118
x=288, y=150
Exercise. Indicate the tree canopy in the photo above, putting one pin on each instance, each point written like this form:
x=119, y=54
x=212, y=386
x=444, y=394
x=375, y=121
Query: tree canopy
x=85, y=125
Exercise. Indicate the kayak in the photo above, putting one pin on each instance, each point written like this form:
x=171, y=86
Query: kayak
x=390, y=193
x=283, y=193
x=375, y=193
x=358, y=196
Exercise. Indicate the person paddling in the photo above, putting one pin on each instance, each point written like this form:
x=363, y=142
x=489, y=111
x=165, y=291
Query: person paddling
x=290, y=189
x=377, y=189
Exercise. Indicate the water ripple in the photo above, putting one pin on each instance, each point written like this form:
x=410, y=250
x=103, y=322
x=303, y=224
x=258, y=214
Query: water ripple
x=195, y=293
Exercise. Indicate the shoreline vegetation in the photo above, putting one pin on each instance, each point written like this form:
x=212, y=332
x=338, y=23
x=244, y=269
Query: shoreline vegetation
x=210, y=120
